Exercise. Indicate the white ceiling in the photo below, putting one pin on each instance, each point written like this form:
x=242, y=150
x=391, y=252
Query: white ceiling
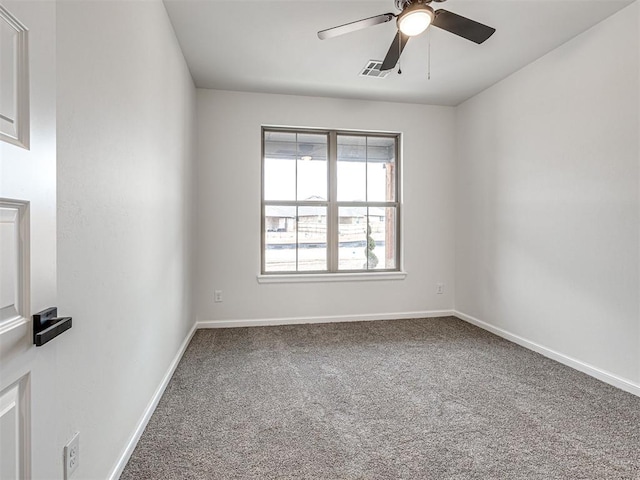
x=272, y=46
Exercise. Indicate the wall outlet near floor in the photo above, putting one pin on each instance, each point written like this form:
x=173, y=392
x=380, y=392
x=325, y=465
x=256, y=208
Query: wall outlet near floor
x=439, y=288
x=217, y=296
x=71, y=456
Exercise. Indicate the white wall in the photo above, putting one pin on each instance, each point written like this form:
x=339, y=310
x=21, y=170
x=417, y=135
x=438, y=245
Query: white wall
x=228, y=232
x=547, y=205
x=126, y=111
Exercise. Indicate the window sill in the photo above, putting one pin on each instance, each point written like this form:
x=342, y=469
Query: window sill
x=331, y=277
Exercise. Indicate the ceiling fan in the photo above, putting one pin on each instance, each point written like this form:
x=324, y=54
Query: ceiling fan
x=414, y=18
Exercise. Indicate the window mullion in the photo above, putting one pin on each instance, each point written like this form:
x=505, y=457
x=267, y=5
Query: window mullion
x=297, y=237
x=332, y=225
x=396, y=198
x=297, y=208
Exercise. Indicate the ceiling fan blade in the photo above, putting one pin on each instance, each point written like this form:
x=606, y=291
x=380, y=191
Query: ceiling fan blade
x=396, y=48
x=462, y=26
x=353, y=26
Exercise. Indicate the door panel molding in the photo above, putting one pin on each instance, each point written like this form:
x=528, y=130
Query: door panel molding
x=14, y=264
x=15, y=418
x=14, y=80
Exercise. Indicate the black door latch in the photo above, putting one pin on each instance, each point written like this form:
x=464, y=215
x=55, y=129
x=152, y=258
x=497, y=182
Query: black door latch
x=47, y=325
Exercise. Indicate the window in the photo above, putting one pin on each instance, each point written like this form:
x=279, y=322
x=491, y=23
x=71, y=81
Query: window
x=330, y=201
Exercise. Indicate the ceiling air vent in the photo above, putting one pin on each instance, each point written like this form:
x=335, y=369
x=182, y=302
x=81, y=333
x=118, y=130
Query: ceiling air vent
x=372, y=69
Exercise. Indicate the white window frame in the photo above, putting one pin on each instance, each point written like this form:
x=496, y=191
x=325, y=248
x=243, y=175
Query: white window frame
x=332, y=204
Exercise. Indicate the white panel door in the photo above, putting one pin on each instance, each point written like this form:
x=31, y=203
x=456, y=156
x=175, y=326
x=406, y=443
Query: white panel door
x=29, y=447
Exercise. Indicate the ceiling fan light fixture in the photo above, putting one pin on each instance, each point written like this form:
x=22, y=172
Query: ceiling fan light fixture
x=415, y=19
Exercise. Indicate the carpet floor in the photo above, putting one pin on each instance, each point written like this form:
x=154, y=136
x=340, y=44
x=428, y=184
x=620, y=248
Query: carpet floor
x=406, y=399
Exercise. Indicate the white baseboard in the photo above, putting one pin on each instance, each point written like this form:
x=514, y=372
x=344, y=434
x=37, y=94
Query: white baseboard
x=146, y=416
x=263, y=322
x=607, y=377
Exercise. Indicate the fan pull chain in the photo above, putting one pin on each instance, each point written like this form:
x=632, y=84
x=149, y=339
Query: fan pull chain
x=399, y=53
x=429, y=55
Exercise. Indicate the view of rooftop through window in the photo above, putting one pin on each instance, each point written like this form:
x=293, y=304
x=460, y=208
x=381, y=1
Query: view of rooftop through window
x=329, y=212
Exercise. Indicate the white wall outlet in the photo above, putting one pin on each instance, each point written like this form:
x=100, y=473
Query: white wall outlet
x=217, y=296
x=439, y=288
x=71, y=455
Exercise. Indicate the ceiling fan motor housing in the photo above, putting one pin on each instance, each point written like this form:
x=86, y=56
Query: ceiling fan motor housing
x=402, y=4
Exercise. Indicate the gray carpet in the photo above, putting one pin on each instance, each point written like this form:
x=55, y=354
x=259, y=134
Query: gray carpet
x=406, y=399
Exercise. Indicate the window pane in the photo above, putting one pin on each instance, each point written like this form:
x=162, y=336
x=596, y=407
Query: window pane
x=352, y=238
x=382, y=238
x=312, y=238
x=280, y=239
x=280, y=154
x=352, y=168
x=312, y=167
x=381, y=174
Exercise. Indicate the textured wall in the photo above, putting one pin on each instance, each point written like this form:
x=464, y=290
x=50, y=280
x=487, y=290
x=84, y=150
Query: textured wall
x=125, y=138
x=547, y=200
x=229, y=146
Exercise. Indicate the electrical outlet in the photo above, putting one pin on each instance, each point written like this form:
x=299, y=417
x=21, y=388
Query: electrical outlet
x=217, y=296
x=439, y=288
x=71, y=456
